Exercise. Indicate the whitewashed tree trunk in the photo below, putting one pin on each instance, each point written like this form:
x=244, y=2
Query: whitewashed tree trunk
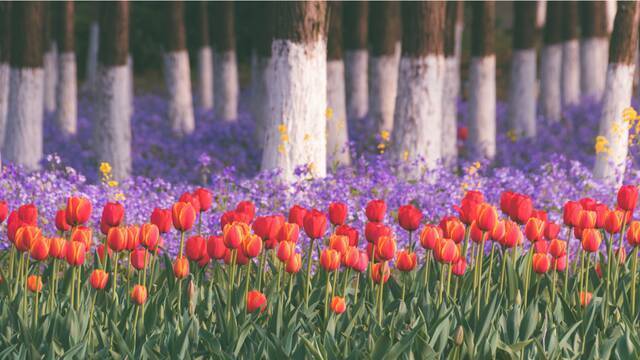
x=593, y=66
x=522, y=97
x=225, y=79
x=337, y=130
x=130, y=85
x=383, y=84
x=570, y=83
x=113, y=125
x=50, y=78
x=23, y=138
x=205, y=77
x=418, y=114
x=356, y=82
x=92, y=55
x=178, y=80
x=482, y=106
x=296, y=133
x=67, y=94
x=551, y=69
x=450, y=93
x=260, y=67
x=541, y=14
x=612, y=7
x=4, y=100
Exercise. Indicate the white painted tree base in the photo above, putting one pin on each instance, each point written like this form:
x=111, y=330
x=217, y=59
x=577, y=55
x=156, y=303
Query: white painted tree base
x=356, y=83
x=450, y=93
x=610, y=164
x=23, y=138
x=551, y=75
x=417, y=132
x=593, y=66
x=482, y=107
x=50, y=78
x=4, y=100
x=541, y=13
x=611, y=9
x=522, y=93
x=226, y=86
x=130, y=87
x=67, y=94
x=337, y=130
x=205, y=77
x=296, y=131
x=260, y=78
x=177, y=77
x=92, y=56
x=112, y=127
x=383, y=84
x=570, y=82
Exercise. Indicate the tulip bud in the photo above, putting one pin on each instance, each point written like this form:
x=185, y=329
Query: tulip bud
x=247, y=208
x=512, y=236
x=406, y=261
x=233, y=234
x=61, y=221
x=75, y=253
x=162, y=218
x=338, y=305
x=294, y=264
x=429, y=236
x=99, y=279
x=541, y=263
x=112, y=214
x=117, y=238
x=628, y=197
x=40, y=249
x=183, y=215
x=181, y=267
x=459, y=336
x=256, y=301
x=505, y=201
x=296, y=215
x=375, y=210
x=285, y=250
x=139, y=294
x=585, y=298
x=330, y=260
x=216, y=247
x=613, y=221
x=521, y=208
x=487, y=217
x=386, y=248
x=78, y=210
x=601, y=211
x=571, y=213
x=551, y=230
x=633, y=234
x=315, y=224
x=289, y=232
x=557, y=248
x=28, y=214
x=459, y=267
x=337, y=213
x=204, y=198
x=195, y=248
x=252, y=245
x=468, y=211
x=447, y=251
x=409, y=217
x=534, y=230
x=591, y=240
x=374, y=230
x=139, y=258
x=498, y=232
x=477, y=235
x=34, y=283
x=149, y=236
x=56, y=248
x=380, y=272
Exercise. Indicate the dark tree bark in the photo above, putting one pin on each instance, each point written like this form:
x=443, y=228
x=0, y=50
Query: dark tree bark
x=569, y=20
x=64, y=20
x=453, y=15
x=223, y=26
x=593, y=19
x=299, y=21
x=570, y=82
x=334, y=38
x=175, y=38
x=483, y=28
x=262, y=21
x=384, y=27
x=624, y=38
x=524, y=28
x=27, y=30
x=114, y=33
x=203, y=24
x=553, y=25
x=356, y=14
x=422, y=29
x=453, y=28
x=5, y=29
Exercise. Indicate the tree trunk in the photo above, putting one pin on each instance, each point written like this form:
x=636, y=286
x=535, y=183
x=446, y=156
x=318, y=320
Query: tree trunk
x=593, y=48
x=225, y=77
x=613, y=130
x=5, y=46
x=454, y=24
x=112, y=129
x=482, y=88
x=260, y=67
x=92, y=55
x=23, y=141
x=355, y=18
x=570, y=82
x=384, y=34
x=50, y=61
x=551, y=64
x=541, y=13
x=177, y=74
x=417, y=131
x=205, y=58
x=611, y=8
x=296, y=133
x=66, y=89
x=337, y=133
x=522, y=86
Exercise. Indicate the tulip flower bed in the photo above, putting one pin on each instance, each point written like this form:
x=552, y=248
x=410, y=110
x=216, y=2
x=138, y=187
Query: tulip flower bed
x=538, y=260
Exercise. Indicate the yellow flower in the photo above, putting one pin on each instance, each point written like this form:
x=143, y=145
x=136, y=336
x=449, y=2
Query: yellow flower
x=105, y=168
x=405, y=155
x=512, y=135
x=602, y=144
x=282, y=128
x=281, y=149
x=307, y=137
x=329, y=113
x=381, y=146
x=284, y=137
x=112, y=183
x=120, y=197
x=384, y=134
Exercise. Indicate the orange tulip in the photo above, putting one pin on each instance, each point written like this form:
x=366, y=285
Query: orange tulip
x=557, y=248
x=256, y=301
x=339, y=243
x=75, y=253
x=289, y=232
x=386, y=248
x=117, y=238
x=252, y=245
x=34, y=283
x=541, y=263
x=429, y=236
x=25, y=236
x=447, y=251
x=149, y=236
x=585, y=298
x=78, y=210
x=380, y=272
x=534, y=229
x=406, y=261
x=56, y=248
x=196, y=248
x=633, y=234
x=40, y=249
x=591, y=240
x=82, y=234
x=338, y=305
x=330, y=260
x=285, y=250
x=139, y=294
x=233, y=234
x=183, y=215
x=487, y=217
x=294, y=264
x=98, y=279
x=181, y=267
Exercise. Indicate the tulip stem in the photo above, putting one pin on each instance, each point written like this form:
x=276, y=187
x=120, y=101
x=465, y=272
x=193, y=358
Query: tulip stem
x=480, y=261
x=93, y=305
x=411, y=240
x=619, y=263
x=404, y=281
x=493, y=248
x=246, y=284
x=12, y=255
x=381, y=297
x=527, y=273
x=427, y=263
x=355, y=299
x=566, y=271
x=35, y=307
x=634, y=271
x=326, y=296
x=347, y=273
x=582, y=271
x=586, y=278
x=279, y=275
x=467, y=234
x=291, y=278
x=308, y=280
x=115, y=279
x=553, y=286
x=442, y=269
x=608, y=278
x=73, y=281
x=263, y=259
x=450, y=268
x=79, y=284
x=231, y=282
x=504, y=268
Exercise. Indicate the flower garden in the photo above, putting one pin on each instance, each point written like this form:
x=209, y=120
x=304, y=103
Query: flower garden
x=527, y=257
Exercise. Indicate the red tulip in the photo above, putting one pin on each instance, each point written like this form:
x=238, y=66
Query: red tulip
x=468, y=210
x=117, y=238
x=28, y=214
x=560, y=264
x=56, y=248
x=4, y=210
x=551, y=230
x=541, y=246
x=380, y=272
x=216, y=247
x=351, y=234
x=149, y=236
x=75, y=253
x=256, y=301
x=183, y=215
x=363, y=262
x=204, y=198
x=613, y=221
x=338, y=305
x=268, y=227
x=558, y=248
x=190, y=199
x=139, y=294
x=541, y=263
x=521, y=208
x=297, y=214
x=452, y=229
x=294, y=264
x=476, y=234
x=628, y=197
x=534, y=230
x=386, y=248
x=26, y=236
x=289, y=232
x=13, y=224
x=459, y=267
x=540, y=214
x=351, y=257
x=78, y=210
x=633, y=234
x=234, y=234
x=252, y=246
x=233, y=216
x=139, y=258
x=374, y=230
x=474, y=195
x=571, y=213
x=98, y=279
x=204, y=261
x=591, y=240
x=83, y=234
x=162, y=218
x=601, y=211
x=101, y=253
x=375, y=210
x=587, y=219
x=339, y=243
x=498, y=232
x=429, y=236
x=61, y=221
x=512, y=236
x=196, y=248
x=34, y=283
x=406, y=261
x=409, y=217
x=181, y=267
x=585, y=298
x=112, y=214
x=315, y=224
x=330, y=260
x=40, y=249
x=285, y=251
x=337, y=213
x=588, y=204
x=505, y=202
x=247, y=208
x=447, y=251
